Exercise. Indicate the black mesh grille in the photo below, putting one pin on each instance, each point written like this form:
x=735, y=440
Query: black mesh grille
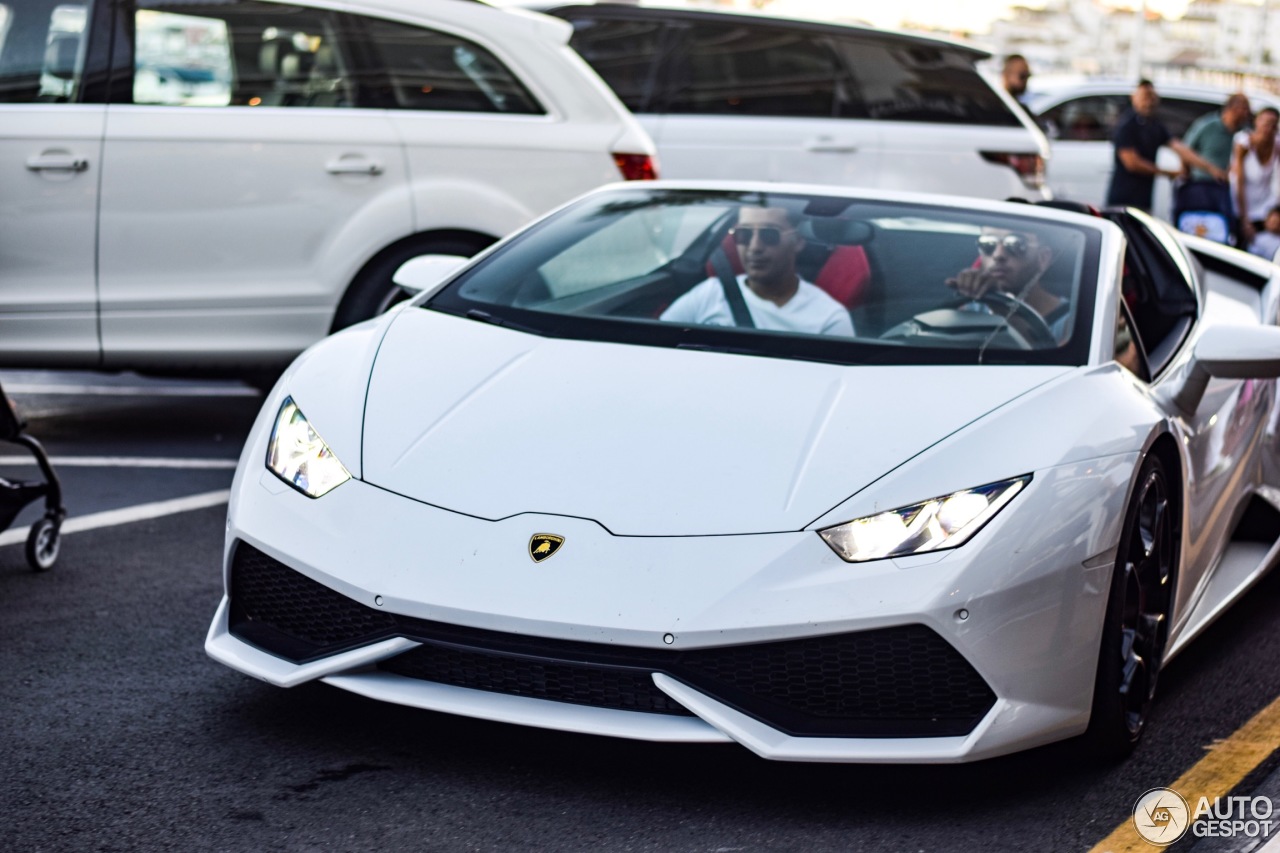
x=904, y=681
x=622, y=689
x=905, y=673
x=275, y=607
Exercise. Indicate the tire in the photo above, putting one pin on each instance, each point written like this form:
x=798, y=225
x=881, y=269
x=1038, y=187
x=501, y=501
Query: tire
x=43, y=543
x=1137, y=618
x=373, y=292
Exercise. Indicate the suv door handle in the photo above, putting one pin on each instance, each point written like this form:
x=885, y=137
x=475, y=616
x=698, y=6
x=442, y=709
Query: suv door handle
x=348, y=165
x=57, y=163
x=830, y=144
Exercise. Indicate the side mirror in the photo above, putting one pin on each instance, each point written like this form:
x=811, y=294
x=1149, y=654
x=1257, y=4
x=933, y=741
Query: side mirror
x=427, y=272
x=1229, y=352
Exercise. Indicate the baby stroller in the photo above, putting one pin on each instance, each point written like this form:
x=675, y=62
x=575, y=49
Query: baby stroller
x=1203, y=208
x=15, y=495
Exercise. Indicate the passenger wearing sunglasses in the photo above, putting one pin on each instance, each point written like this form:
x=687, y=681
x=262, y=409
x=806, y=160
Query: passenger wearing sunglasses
x=1014, y=263
x=777, y=298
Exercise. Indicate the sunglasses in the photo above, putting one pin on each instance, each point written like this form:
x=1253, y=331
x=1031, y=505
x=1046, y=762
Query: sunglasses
x=769, y=234
x=1014, y=244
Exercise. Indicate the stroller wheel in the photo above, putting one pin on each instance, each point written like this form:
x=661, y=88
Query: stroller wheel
x=42, y=544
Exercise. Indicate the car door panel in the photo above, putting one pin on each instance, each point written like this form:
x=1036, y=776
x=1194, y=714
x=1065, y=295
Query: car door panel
x=243, y=187
x=50, y=165
x=219, y=224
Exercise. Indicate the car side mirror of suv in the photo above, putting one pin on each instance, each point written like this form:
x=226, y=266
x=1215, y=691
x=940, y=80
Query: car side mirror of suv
x=1229, y=352
x=427, y=272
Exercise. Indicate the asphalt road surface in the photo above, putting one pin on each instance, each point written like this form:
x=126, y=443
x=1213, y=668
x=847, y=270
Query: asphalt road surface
x=117, y=733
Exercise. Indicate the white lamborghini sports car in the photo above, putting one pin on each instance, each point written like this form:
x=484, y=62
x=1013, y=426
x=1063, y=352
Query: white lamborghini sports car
x=836, y=475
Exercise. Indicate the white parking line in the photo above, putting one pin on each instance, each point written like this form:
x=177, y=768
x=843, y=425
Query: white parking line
x=113, y=517
x=134, y=390
x=124, y=462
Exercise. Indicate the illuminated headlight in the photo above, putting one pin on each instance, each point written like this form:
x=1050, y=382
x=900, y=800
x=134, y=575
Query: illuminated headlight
x=300, y=457
x=945, y=522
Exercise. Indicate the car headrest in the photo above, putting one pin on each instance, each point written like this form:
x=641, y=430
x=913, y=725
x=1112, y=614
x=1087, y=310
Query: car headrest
x=60, y=56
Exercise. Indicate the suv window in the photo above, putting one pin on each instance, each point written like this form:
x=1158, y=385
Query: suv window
x=622, y=52
x=238, y=54
x=738, y=69
x=41, y=51
x=1178, y=113
x=1088, y=119
x=907, y=81
x=1092, y=118
x=430, y=70
x=246, y=53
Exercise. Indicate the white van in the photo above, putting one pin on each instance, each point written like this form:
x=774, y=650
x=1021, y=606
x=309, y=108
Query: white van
x=734, y=95
x=216, y=184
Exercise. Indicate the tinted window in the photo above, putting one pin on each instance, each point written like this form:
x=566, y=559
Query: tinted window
x=906, y=81
x=429, y=70
x=239, y=54
x=41, y=51
x=1178, y=113
x=760, y=71
x=1094, y=117
x=622, y=52
x=1089, y=119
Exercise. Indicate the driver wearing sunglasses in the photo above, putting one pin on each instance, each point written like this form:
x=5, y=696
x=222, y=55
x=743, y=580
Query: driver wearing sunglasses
x=777, y=298
x=1014, y=263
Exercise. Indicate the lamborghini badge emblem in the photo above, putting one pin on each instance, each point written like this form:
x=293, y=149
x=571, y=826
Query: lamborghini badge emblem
x=543, y=545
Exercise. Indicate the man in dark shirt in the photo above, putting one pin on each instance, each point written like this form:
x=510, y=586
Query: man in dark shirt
x=1137, y=138
x=1014, y=75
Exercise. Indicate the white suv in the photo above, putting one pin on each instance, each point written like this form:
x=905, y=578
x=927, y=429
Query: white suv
x=215, y=184
x=733, y=95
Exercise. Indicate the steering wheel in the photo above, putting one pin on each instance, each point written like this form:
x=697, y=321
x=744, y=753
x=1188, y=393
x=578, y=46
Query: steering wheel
x=1032, y=327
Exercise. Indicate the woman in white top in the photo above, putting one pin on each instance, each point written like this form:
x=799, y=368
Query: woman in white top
x=1254, y=174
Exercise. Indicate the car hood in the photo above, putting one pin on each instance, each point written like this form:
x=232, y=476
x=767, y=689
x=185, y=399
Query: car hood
x=648, y=441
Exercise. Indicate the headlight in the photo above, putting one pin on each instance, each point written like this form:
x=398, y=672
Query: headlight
x=945, y=522
x=300, y=457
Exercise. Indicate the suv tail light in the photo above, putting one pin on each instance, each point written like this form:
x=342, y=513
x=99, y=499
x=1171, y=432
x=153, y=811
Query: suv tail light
x=1030, y=167
x=636, y=167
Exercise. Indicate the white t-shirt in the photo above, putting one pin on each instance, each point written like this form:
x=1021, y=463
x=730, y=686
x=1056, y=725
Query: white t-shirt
x=1261, y=180
x=810, y=311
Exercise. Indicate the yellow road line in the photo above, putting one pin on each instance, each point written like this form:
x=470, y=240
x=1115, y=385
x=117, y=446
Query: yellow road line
x=1227, y=762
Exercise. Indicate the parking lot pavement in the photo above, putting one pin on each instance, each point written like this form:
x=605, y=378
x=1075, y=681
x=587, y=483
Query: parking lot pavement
x=122, y=441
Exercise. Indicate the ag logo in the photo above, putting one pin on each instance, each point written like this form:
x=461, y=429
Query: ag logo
x=1161, y=816
x=543, y=545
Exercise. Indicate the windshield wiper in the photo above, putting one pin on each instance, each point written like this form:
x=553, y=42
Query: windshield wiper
x=486, y=317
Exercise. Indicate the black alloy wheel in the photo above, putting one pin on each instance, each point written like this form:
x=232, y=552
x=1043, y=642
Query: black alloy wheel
x=1137, y=618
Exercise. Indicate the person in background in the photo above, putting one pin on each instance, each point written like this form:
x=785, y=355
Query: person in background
x=1212, y=137
x=1137, y=137
x=1267, y=240
x=1254, y=177
x=1014, y=75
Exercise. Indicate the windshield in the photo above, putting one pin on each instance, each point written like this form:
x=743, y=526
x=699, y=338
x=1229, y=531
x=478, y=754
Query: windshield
x=786, y=275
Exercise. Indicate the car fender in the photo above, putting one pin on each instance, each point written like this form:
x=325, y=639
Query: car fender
x=328, y=383
x=1089, y=413
x=378, y=224
x=460, y=204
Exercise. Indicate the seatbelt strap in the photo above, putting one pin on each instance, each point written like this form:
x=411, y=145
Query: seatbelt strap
x=732, y=292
